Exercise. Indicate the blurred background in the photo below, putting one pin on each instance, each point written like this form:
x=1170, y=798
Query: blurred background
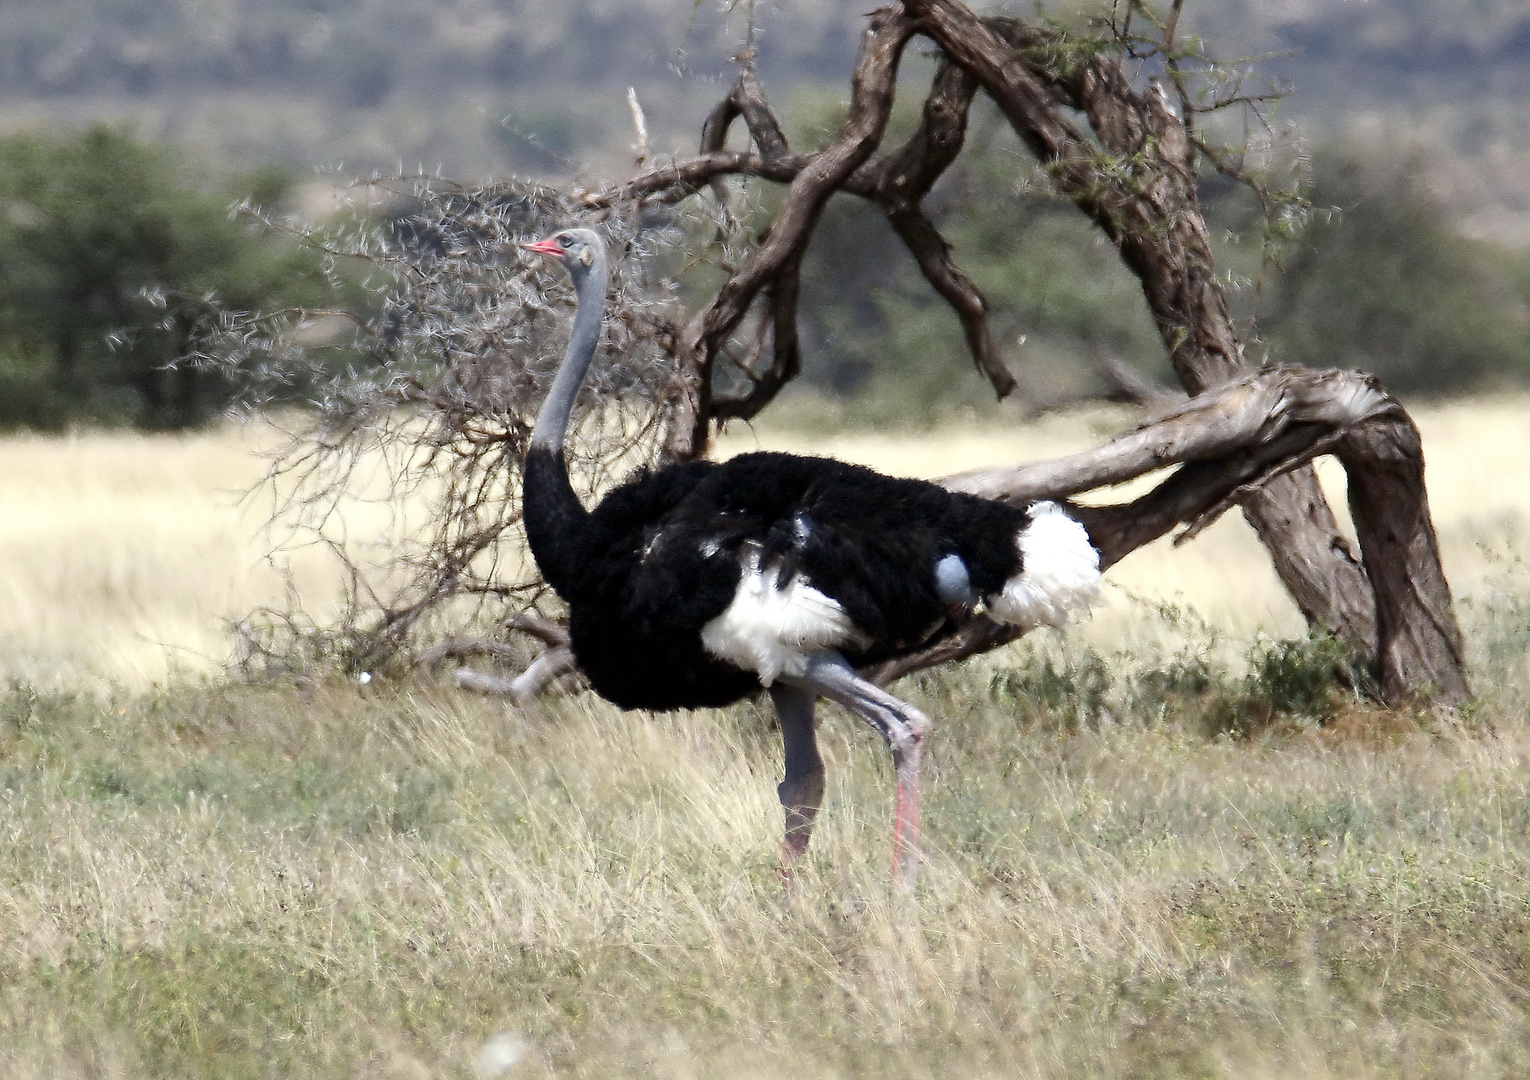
x=127, y=129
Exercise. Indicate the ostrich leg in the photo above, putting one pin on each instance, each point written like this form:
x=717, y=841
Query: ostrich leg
x=802, y=790
x=903, y=726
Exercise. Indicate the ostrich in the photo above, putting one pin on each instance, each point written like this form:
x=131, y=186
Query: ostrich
x=696, y=584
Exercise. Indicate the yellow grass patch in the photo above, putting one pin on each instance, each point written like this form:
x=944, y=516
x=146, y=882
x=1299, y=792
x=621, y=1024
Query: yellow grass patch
x=122, y=555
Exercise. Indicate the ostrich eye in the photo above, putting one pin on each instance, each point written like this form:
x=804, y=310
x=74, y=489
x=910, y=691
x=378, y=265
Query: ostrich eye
x=564, y=241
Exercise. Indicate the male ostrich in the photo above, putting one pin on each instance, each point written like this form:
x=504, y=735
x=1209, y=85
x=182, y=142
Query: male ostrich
x=696, y=584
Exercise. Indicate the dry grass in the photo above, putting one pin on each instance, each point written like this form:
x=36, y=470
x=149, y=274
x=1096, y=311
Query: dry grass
x=203, y=879
x=121, y=555
x=237, y=882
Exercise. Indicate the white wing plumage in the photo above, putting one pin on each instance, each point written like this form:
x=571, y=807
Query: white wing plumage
x=772, y=630
x=1060, y=572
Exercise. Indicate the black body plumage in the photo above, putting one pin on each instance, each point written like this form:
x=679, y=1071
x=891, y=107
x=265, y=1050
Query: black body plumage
x=662, y=555
x=693, y=585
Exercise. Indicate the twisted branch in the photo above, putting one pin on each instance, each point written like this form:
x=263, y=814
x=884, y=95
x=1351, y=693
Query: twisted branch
x=690, y=393
x=1232, y=441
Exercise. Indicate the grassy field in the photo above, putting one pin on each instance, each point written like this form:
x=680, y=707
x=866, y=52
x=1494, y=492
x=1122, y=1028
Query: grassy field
x=1159, y=846
x=122, y=556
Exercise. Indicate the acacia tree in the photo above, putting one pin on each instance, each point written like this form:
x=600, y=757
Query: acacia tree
x=1114, y=117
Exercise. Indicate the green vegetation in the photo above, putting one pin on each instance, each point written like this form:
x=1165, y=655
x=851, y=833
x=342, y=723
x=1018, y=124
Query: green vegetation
x=243, y=881
x=109, y=256
x=1380, y=281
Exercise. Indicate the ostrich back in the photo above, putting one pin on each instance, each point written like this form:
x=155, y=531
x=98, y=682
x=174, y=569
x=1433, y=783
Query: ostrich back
x=663, y=555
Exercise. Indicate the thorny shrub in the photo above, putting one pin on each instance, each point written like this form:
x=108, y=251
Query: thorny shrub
x=422, y=406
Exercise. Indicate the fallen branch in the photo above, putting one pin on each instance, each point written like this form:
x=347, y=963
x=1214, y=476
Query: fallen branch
x=1235, y=416
x=529, y=684
x=543, y=629
x=459, y=648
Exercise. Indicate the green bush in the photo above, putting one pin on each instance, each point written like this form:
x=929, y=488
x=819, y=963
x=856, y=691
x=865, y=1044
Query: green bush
x=109, y=256
x=1381, y=281
x=1300, y=676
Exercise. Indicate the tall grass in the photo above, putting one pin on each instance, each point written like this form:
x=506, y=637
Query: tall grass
x=234, y=881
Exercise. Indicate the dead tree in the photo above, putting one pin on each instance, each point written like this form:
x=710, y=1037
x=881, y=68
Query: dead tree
x=1234, y=439
x=1113, y=118
x=1133, y=168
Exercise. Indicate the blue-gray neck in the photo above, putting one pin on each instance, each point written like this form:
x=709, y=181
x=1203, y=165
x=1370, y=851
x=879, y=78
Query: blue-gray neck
x=552, y=420
x=556, y=522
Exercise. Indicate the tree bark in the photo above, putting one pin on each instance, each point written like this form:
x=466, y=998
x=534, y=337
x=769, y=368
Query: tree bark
x=1123, y=155
x=1236, y=440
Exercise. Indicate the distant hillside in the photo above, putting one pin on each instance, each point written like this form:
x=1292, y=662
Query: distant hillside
x=1444, y=81
x=473, y=85
x=478, y=86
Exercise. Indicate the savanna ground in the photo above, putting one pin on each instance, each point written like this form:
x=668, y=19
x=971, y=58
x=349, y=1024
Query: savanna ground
x=1164, y=844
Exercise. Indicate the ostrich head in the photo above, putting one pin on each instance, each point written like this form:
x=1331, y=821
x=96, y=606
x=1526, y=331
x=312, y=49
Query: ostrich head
x=578, y=249
x=583, y=255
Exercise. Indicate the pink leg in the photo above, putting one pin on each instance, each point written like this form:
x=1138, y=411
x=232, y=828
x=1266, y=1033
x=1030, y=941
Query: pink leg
x=906, y=814
x=903, y=726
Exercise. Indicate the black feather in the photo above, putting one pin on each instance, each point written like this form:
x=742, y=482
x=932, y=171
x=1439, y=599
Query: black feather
x=659, y=558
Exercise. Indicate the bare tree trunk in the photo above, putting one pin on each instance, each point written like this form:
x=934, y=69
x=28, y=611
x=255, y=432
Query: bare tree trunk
x=1419, y=649
x=1233, y=441
x=1150, y=210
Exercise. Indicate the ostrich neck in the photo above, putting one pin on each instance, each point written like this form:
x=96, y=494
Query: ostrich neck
x=557, y=524
x=552, y=420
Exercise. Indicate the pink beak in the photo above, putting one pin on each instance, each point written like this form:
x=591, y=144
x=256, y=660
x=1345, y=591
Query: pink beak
x=545, y=247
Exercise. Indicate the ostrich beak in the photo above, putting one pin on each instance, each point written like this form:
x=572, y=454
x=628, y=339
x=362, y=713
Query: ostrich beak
x=544, y=247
